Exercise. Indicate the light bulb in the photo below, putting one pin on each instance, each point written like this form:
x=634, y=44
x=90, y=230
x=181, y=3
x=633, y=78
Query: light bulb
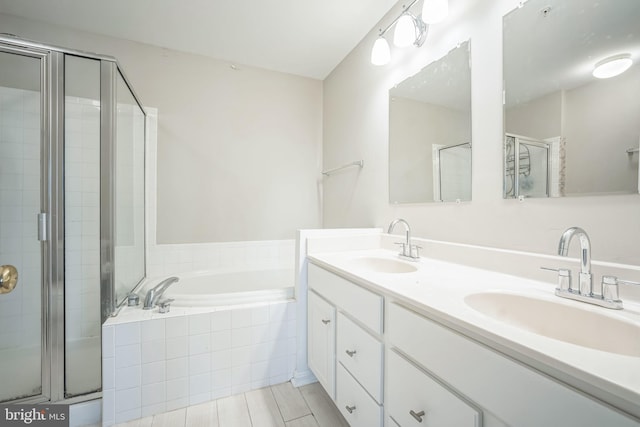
x=435, y=11
x=380, y=54
x=612, y=66
x=405, y=33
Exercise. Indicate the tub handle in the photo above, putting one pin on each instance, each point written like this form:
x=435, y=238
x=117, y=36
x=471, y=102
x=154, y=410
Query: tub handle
x=164, y=306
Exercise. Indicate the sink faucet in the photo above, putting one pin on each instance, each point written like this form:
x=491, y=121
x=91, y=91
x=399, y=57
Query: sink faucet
x=407, y=249
x=155, y=293
x=586, y=281
x=609, y=295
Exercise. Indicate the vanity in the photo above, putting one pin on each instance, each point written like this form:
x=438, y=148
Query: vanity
x=398, y=343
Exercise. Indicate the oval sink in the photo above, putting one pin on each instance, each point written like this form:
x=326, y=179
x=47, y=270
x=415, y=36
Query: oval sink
x=562, y=322
x=383, y=265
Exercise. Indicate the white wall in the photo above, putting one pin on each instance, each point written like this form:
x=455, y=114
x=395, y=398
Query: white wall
x=355, y=118
x=238, y=149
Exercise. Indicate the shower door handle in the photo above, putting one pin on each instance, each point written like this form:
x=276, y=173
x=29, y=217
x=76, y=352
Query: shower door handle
x=8, y=278
x=42, y=226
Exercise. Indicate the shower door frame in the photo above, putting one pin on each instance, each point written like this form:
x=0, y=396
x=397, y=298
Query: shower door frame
x=51, y=226
x=517, y=140
x=52, y=138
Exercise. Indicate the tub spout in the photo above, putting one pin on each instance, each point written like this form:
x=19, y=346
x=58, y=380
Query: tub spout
x=154, y=294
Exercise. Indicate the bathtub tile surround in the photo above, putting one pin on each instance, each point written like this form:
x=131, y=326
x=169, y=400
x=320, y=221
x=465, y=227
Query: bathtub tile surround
x=174, y=360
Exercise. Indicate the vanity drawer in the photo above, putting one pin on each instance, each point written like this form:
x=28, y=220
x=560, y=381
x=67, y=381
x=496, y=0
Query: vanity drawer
x=361, y=354
x=361, y=304
x=417, y=399
x=358, y=408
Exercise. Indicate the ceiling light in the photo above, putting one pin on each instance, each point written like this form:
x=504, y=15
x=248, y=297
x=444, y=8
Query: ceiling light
x=380, y=54
x=612, y=66
x=435, y=11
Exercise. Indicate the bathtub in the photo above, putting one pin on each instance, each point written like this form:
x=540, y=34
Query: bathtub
x=211, y=288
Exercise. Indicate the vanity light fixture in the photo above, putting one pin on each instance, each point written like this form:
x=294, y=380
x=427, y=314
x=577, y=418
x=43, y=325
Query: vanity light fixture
x=435, y=11
x=410, y=29
x=612, y=66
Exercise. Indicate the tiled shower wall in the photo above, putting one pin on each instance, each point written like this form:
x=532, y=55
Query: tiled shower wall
x=82, y=218
x=166, y=363
x=20, y=203
x=165, y=260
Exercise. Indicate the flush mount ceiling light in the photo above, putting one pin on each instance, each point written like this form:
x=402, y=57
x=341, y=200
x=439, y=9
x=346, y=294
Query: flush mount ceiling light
x=410, y=29
x=612, y=66
x=435, y=11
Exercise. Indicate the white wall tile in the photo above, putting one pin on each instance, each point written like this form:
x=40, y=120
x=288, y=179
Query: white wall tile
x=128, y=377
x=152, y=330
x=199, y=344
x=199, y=324
x=153, y=351
x=177, y=389
x=153, y=394
x=260, y=315
x=240, y=337
x=154, y=372
x=199, y=364
x=221, y=360
x=176, y=326
x=108, y=373
x=177, y=347
x=240, y=356
x=108, y=341
x=241, y=318
x=221, y=340
x=221, y=320
x=177, y=368
x=127, y=355
x=127, y=400
x=127, y=333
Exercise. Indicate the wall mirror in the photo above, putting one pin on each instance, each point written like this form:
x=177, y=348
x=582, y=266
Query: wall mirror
x=430, y=132
x=567, y=131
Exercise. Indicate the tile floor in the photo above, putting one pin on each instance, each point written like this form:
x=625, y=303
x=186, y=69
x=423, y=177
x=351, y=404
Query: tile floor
x=280, y=405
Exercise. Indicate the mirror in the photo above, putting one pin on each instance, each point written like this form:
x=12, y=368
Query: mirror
x=430, y=132
x=567, y=132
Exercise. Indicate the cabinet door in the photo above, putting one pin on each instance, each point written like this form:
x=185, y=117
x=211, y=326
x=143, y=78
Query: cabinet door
x=417, y=399
x=322, y=342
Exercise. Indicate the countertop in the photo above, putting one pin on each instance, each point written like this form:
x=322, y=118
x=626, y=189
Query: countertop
x=438, y=290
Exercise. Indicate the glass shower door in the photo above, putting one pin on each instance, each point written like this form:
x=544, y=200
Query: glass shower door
x=21, y=290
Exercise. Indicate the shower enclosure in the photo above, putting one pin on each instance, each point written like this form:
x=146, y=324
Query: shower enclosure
x=526, y=167
x=452, y=172
x=71, y=215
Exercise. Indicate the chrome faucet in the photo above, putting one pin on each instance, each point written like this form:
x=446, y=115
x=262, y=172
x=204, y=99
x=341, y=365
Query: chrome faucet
x=609, y=295
x=407, y=250
x=154, y=294
x=585, y=279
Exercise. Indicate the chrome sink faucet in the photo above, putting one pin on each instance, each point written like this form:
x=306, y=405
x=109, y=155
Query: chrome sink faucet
x=608, y=297
x=407, y=250
x=154, y=294
x=585, y=279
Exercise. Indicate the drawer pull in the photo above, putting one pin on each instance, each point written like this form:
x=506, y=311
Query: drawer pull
x=417, y=415
x=350, y=409
x=326, y=321
x=350, y=353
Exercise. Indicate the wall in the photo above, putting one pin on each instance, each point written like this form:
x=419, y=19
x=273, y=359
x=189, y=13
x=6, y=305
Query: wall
x=239, y=148
x=355, y=126
x=539, y=118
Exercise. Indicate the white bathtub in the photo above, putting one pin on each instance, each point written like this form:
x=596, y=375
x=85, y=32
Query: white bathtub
x=207, y=288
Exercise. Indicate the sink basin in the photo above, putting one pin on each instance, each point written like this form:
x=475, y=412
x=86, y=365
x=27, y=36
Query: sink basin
x=383, y=265
x=575, y=325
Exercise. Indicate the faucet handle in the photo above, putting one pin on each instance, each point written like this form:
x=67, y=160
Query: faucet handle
x=564, y=278
x=417, y=251
x=403, y=247
x=164, y=306
x=610, y=287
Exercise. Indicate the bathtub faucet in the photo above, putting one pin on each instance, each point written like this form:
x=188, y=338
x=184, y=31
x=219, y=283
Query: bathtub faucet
x=154, y=294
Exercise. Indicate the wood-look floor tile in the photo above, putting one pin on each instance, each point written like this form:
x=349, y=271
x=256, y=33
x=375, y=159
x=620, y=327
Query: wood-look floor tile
x=263, y=408
x=203, y=415
x=170, y=419
x=322, y=407
x=233, y=412
x=290, y=401
x=306, y=421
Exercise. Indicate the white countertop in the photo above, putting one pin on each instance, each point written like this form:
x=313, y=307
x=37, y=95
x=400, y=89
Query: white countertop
x=437, y=289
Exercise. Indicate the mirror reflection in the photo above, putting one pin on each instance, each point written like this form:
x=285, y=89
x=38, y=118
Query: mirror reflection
x=430, y=132
x=571, y=129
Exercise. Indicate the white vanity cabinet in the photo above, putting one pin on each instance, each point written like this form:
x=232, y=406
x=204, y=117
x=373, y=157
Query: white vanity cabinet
x=510, y=391
x=358, y=350
x=321, y=335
